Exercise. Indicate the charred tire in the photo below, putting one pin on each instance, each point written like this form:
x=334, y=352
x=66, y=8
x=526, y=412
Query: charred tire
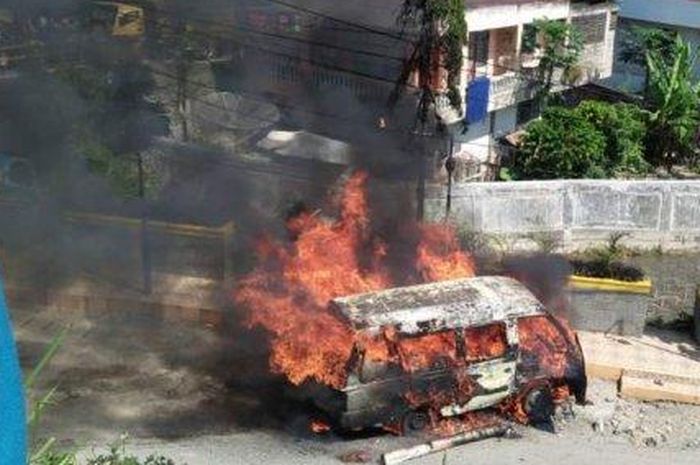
x=538, y=404
x=415, y=422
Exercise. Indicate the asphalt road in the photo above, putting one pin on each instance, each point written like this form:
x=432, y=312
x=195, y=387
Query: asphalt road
x=161, y=384
x=533, y=448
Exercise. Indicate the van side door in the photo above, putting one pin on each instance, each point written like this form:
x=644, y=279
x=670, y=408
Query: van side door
x=429, y=360
x=491, y=355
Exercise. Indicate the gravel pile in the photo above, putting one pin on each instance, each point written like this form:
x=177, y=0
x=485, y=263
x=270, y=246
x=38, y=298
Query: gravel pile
x=644, y=424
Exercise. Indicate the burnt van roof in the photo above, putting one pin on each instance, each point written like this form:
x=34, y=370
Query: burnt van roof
x=439, y=306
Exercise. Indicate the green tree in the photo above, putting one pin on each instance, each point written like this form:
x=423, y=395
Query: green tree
x=624, y=128
x=441, y=36
x=117, y=121
x=639, y=41
x=673, y=97
x=441, y=33
x=562, y=144
x=560, y=45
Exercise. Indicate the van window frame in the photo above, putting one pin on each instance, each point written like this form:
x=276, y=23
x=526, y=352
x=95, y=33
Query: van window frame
x=433, y=367
x=508, y=332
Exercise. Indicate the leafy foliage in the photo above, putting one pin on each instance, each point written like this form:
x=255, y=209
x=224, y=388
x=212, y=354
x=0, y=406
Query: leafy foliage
x=624, y=128
x=639, y=41
x=607, y=262
x=44, y=453
x=116, y=118
x=121, y=171
x=567, y=133
x=442, y=28
x=562, y=144
x=560, y=45
x=117, y=456
x=673, y=95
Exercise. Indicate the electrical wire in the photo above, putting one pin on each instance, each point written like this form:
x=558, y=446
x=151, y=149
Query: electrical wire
x=324, y=65
x=339, y=21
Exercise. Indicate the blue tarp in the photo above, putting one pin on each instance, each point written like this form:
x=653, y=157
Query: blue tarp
x=478, y=99
x=13, y=441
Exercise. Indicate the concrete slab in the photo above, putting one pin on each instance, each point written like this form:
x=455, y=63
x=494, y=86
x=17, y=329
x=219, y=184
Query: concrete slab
x=660, y=388
x=657, y=353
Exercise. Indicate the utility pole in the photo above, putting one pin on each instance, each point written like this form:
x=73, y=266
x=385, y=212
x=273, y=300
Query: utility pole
x=440, y=37
x=146, y=267
x=181, y=98
x=450, y=165
x=182, y=75
x=426, y=106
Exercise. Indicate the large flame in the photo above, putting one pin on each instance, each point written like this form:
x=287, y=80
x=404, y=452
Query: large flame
x=287, y=294
x=289, y=290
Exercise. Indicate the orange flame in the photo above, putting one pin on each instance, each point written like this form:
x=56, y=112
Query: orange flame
x=439, y=255
x=319, y=426
x=288, y=292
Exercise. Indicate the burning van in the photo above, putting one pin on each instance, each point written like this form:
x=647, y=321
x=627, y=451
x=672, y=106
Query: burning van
x=444, y=349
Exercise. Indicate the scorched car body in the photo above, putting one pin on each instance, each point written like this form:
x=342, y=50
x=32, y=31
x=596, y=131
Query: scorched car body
x=455, y=382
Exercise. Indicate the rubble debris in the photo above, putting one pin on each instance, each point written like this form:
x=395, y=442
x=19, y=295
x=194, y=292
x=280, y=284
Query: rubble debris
x=438, y=445
x=355, y=456
x=644, y=424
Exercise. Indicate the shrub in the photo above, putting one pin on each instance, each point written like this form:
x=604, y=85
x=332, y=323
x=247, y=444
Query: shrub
x=562, y=144
x=606, y=262
x=117, y=456
x=594, y=140
x=624, y=128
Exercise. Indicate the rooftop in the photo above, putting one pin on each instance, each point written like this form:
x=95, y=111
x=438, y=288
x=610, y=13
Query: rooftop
x=438, y=306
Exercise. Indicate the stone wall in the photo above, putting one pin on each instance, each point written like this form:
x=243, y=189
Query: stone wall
x=662, y=218
x=676, y=278
x=579, y=214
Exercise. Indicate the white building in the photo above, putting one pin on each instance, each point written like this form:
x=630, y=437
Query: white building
x=495, y=52
x=681, y=16
x=345, y=57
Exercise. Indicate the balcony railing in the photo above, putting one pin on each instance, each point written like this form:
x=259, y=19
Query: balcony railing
x=509, y=89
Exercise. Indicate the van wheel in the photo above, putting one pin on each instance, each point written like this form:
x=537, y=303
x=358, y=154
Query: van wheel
x=415, y=422
x=538, y=404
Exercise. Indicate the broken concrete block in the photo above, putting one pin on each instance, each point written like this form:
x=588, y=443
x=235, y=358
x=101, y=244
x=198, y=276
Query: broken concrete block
x=643, y=386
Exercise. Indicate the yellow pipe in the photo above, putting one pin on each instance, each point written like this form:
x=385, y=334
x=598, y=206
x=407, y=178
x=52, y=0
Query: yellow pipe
x=610, y=285
x=179, y=229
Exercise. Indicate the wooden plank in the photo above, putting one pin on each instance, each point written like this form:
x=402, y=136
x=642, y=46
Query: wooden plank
x=438, y=445
x=660, y=354
x=659, y=389
x=603, y=371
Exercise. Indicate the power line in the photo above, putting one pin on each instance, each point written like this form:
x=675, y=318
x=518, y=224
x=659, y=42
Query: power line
x=340, y=69
x=339, y=21
x=283, y=37
x=401, y=132
x=336, y=68
x=518, y=72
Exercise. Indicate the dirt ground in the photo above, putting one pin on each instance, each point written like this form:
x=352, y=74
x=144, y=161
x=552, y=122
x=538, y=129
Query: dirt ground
x=206, y=398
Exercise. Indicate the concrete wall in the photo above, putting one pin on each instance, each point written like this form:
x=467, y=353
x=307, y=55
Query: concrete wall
x=484, y=14
x=580, y=214
x=675, y=277
x=630, y=77
x=668, y=12
x=662, y=214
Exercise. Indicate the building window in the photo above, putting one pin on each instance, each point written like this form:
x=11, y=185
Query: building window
x=479, y=47
x=485, y=343
x=591, y=27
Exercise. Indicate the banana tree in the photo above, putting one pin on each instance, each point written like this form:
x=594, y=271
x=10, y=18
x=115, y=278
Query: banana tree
x=673, y=96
